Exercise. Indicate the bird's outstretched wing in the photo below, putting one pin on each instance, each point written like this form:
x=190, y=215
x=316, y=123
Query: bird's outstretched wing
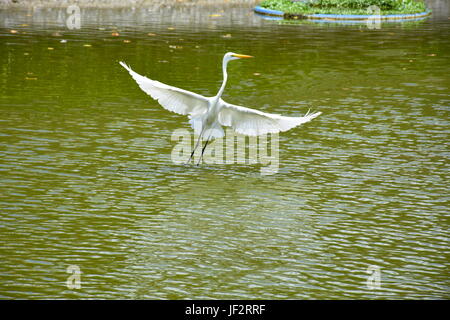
x=252, y=122
x=171, y=98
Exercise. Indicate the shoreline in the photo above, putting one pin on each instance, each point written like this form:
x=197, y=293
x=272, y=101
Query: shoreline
x=48, y=12
x=116, y=4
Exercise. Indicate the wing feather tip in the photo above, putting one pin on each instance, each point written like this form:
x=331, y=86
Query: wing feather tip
x=309, y=117
x=123, y=64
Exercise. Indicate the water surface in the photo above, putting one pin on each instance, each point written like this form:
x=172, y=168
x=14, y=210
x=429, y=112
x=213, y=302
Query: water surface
x=87, y=177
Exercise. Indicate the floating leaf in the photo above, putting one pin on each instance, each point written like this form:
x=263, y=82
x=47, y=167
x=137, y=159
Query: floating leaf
x=50, y=48
x=226, y=35
x=215, y=15
x=151, y=34
x=87, y=45
x=127, y=41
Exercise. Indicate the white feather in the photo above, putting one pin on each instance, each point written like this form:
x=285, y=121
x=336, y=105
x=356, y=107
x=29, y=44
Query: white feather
x=243, y=120
x=252, y=122
x=171, y=98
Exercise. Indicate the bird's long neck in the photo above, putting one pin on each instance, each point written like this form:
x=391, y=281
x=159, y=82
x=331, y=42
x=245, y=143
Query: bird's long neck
x=225, y=77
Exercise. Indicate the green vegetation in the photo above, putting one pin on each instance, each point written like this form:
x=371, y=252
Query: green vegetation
x=345, y=6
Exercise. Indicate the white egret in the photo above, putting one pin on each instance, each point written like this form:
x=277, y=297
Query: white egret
x=208, y=114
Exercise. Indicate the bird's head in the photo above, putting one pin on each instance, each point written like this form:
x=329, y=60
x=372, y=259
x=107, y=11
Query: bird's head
x=233, y=56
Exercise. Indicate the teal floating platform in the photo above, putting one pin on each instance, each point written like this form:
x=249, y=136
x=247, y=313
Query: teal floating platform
x=340, y=17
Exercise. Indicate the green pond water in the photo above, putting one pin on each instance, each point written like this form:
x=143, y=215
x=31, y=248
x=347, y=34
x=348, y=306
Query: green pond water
x=87, y=179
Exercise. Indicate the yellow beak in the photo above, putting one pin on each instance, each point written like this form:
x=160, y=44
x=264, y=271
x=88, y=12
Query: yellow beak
x=241, y=56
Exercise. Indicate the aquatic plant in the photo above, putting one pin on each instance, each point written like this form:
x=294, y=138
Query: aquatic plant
x=345, y=6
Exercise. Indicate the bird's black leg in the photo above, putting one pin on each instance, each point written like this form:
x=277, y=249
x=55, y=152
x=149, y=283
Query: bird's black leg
x=196, y=146
x=192, y=154
x=203, y=151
